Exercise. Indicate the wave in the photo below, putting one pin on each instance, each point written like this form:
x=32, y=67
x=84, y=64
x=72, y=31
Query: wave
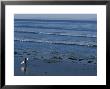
x=55, y=27
x=81, y=43
x=60, y=34
x=47, y=20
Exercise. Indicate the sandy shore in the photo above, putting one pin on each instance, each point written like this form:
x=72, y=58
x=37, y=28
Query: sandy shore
x=54, y=63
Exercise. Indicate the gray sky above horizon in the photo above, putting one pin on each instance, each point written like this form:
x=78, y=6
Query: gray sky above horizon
x=57, y=16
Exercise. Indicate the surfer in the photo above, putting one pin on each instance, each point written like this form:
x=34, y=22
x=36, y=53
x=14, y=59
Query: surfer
x=25, y=64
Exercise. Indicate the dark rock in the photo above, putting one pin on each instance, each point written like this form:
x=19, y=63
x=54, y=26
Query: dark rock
x=15, y=52
x=81, y=59
x=72, y=58
x=28, y=54
x=90, y=61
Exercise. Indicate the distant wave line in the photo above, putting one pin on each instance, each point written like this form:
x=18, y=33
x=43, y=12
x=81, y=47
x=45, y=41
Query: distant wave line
x=59, y=34
x=59, y=28
x=60, y=42
x=45, y=20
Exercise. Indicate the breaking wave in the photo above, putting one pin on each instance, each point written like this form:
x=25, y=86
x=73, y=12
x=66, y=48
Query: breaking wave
x=60, y=34
x=81, y=43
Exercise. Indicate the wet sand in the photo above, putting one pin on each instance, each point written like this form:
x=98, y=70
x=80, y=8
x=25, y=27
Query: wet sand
x=51, y=62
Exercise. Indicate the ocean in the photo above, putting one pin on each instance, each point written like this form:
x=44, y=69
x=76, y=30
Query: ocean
x=55, y=47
